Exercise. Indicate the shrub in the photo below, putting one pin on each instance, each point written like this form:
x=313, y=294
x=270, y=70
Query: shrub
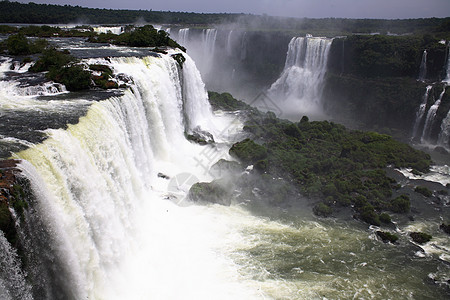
x=322, y=210
x=420, y=237
x=423, y=190
x=248, y=151
x=385, y=218
x=387, y=236
x=401, y=204
x=74, y=77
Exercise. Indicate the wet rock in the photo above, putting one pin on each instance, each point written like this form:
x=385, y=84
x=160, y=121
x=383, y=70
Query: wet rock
x=445, y=228
x=387, y=237
x=210, y=192
x=420, y=237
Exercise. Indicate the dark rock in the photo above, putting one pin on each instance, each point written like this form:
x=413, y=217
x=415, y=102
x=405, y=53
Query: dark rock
x=200, y=137
x=210, y=192
x=440, y=150
x=163, y=176
x=420, y=237
x=445, y=228
x=387, y=237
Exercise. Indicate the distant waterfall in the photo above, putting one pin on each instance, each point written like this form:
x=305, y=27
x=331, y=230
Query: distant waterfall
x=209, y=41
x=430, y=117
x=229, y=45
x=183, y=37
x=304, y=70
x=244, y=44
x=423, y=67
x=420, y=113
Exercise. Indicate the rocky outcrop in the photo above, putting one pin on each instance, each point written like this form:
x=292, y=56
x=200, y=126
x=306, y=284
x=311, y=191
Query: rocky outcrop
x=11, y=197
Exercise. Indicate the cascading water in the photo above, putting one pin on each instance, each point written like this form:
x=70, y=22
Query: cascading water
x=300, y=84
x=430, y=117
x=209, y=41
x=421, y=112
x=423, y=67
x=101, y=197
x=229, y=45
x=444, y=135
x=183, y=37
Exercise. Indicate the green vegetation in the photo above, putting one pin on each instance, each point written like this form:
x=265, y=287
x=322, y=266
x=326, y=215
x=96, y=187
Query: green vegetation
x=225, y=101
x=423, y=190
x=52, y=59
x=145, y=36
x=62, y=68
x=210, y=192
x=327, y=162
x=179, y=58
x=387, y=236
x=322, y=210
x=18, y=44
x=420, y=237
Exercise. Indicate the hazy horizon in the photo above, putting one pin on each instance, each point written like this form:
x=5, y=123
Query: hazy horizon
x=353, y=9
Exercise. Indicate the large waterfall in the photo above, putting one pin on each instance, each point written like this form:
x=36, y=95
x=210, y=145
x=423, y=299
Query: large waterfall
x=99, y=194
x=299, y=87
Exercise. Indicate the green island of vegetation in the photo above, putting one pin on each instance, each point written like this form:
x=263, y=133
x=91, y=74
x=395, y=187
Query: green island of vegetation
x=64, y=68
x=335, y=166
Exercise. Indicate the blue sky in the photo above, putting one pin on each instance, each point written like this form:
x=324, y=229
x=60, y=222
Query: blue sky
x=385, y=9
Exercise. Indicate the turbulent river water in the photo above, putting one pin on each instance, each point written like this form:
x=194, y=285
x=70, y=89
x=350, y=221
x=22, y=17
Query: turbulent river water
x=105, y=224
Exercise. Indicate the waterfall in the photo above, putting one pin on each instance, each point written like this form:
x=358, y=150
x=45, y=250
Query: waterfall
x=444, y=135
x=229, y=45
x=447, y=67
x=300, y=82
x=98, y=193
x=420, y=113
x=12, y=279
x=209, y=41
x=423, y=67
x=183, y=36
x=244, y=43
x=430, y=117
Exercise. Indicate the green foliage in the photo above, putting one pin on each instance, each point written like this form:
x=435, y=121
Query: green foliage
x=145, y=36
x=322, y=210
x=385, y=218
x=179, y=58
x=387, y=236
x=423, y=190
x=327, y=161
x=420, y=237
x=248, y=151
x=401, y=204
x=74, y=77
x=225, y=101
x=211, y=192
x=18, y=44
x=51, y=58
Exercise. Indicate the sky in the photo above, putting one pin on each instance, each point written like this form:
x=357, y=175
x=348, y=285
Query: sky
x=379, y=9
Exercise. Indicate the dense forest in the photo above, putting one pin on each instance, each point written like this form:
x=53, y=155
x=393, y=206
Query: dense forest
x=32, y=13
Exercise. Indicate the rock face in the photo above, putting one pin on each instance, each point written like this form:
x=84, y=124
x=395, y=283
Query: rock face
x=210, y=192
x=420, y=237
x=10, y=192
